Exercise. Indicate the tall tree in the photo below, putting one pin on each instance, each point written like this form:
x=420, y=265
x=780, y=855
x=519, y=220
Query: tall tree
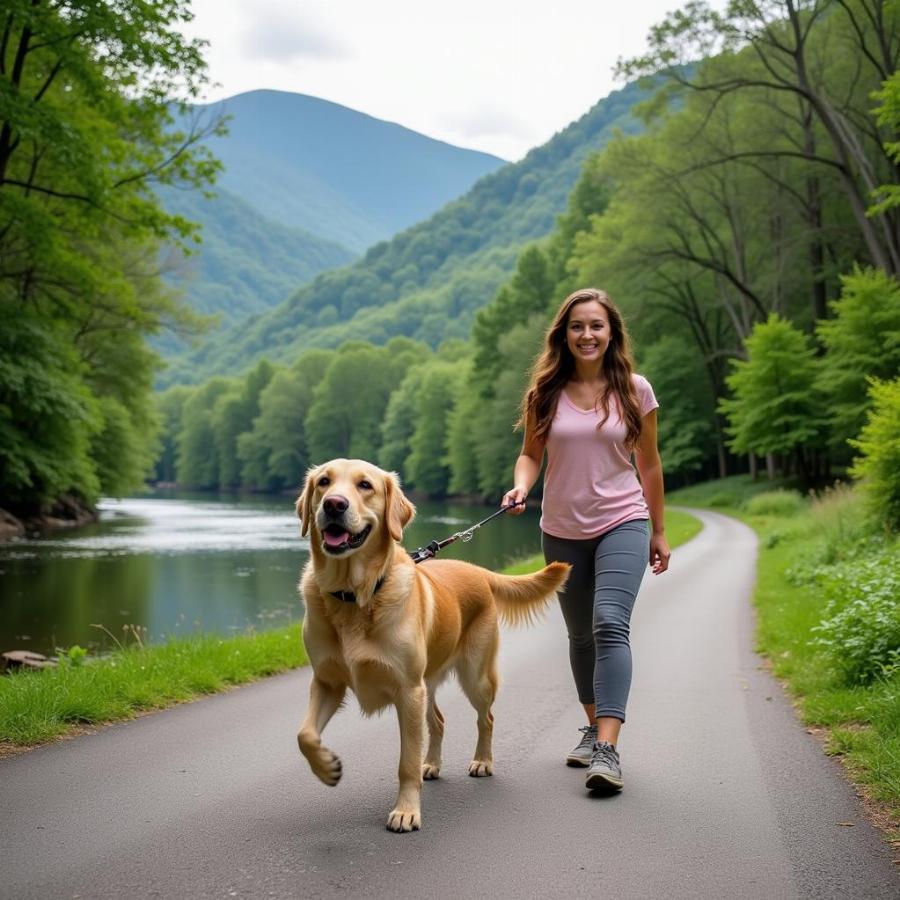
x=88, y=98
x=799, y=45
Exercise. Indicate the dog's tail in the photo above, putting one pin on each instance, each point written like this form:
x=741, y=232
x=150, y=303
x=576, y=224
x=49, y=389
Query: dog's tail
x=521, y=598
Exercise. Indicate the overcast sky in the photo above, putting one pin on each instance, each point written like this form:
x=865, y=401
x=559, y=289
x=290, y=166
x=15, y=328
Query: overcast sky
x=493, y=75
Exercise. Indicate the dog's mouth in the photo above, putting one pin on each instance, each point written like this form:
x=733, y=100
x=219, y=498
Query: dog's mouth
x=338, y=540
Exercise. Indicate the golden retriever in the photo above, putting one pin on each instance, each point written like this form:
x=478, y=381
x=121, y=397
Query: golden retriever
x=392, y=630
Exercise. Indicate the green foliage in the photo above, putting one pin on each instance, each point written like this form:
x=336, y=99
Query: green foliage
x=169, y=405
x=781, y=504
x=427, y=465
x=400, y=422
x=349, y=403
x=196, y=446
x=274, y=453
x=860, y=628
x=686, y=421
x=86, y=100
x=862, y=339
x=48, y=415
x=887, y=196
x=878, y=465
x=775, y=407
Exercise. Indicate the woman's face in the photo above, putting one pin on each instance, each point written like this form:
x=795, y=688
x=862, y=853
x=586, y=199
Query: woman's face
x=588, y=331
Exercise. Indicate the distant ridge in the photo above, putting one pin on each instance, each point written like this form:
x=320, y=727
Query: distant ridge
x=337, y=173
x=428, y=281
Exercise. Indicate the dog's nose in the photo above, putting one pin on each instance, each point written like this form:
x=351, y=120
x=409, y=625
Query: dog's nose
x=335, y=504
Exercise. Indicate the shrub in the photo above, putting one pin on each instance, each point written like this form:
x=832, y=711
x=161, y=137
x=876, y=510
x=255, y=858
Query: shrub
x=774, y=503
x=860, y=630
x=878, y=466
x=722, y=499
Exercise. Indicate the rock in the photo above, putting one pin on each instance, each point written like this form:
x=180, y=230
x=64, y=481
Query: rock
x=24, y=659
x=10, y=526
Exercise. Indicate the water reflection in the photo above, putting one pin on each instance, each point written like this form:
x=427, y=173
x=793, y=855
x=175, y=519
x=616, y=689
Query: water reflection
x=179, y=563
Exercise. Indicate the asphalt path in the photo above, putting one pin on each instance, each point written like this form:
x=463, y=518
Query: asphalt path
x=725, y=795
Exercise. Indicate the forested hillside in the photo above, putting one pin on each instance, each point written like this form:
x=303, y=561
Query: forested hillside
x=246, y=263
x=751, y=236
x=305, y=186
x=428, y=282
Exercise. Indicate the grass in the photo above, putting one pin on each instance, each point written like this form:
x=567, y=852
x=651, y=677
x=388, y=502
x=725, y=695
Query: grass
x=803, y=544
x=39, y=706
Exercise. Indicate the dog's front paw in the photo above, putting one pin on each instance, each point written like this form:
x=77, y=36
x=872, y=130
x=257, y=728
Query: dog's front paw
x=326, y=766
x=480, y=769
x=401, y=820
x=430, y=771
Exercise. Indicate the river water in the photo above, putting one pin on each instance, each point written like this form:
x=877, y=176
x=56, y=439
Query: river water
x=178, y=563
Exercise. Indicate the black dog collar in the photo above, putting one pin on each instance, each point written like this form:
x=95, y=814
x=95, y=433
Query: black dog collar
x=350, y=597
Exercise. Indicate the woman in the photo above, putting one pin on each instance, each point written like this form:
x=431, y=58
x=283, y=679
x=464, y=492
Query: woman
x=590, y=412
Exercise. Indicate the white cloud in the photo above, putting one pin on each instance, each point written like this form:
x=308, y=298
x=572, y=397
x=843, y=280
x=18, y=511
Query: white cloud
x=282, y=35
x=497, y=75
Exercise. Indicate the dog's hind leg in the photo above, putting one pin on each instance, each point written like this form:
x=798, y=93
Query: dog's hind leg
x=324, y=701
x=431, y=768
x=479, y=680
x=406, y=814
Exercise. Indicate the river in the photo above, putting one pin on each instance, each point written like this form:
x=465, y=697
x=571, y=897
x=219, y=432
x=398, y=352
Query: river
x=170, y=564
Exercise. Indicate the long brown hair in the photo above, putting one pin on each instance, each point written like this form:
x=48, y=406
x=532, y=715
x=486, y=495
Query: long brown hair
x=556, y=365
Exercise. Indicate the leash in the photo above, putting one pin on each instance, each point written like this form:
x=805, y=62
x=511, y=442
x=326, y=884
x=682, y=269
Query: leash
x=429, y=550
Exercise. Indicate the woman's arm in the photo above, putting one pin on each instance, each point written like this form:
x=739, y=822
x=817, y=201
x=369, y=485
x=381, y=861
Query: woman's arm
x=526, y=471
x=649, y=466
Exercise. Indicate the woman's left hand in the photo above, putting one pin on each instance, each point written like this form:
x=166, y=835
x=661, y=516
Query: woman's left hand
x=659, y=553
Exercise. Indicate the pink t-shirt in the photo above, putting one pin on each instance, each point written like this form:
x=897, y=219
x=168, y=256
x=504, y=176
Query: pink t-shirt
x=590, y=485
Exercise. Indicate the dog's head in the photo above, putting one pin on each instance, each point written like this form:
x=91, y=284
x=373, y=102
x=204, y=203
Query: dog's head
x=349, y=503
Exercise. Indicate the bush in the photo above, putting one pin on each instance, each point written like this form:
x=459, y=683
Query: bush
x=722, y=500
x=878, y=466
x=774, y=503
x=860, y=630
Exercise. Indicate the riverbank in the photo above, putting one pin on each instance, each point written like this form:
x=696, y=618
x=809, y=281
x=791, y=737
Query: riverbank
x=67, y=512
x=827, y=600
x=84, y=692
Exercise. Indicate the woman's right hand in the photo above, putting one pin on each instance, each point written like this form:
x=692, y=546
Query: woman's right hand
x=515, y=496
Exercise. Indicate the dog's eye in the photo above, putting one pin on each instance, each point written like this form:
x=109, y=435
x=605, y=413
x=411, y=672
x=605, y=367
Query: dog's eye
x=324, y=481
x=365, y=485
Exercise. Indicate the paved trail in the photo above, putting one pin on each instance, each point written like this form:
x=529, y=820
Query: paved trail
x=726, y=795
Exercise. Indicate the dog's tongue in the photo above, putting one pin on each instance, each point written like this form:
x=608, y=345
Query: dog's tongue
x=336, y=538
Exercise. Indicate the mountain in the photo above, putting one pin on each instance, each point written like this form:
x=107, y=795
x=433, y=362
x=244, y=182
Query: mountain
x=334, y=172
x=246, y=263
x=428, y=281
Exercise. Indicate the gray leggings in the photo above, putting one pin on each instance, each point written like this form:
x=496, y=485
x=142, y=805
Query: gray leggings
x=596, y=603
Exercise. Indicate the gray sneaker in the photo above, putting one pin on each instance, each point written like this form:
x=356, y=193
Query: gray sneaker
x=581, y=755
x=604, y=771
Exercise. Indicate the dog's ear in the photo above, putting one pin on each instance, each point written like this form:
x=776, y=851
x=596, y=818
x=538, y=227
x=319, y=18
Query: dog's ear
x=304, y=502
x=398, y=511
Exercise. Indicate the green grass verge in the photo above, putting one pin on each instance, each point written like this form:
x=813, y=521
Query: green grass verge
x=680, y=528
x=803, y=546
x=39, y=706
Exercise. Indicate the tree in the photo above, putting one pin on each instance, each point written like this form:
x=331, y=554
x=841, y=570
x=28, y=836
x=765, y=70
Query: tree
x=801, y=45
x=427, y=466
x=775, y=407
x=88, y=98
x=861, y=340
x=274, y=453
x=878, y=465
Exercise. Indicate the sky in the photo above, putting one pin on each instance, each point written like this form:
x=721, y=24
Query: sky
x=492, y=75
